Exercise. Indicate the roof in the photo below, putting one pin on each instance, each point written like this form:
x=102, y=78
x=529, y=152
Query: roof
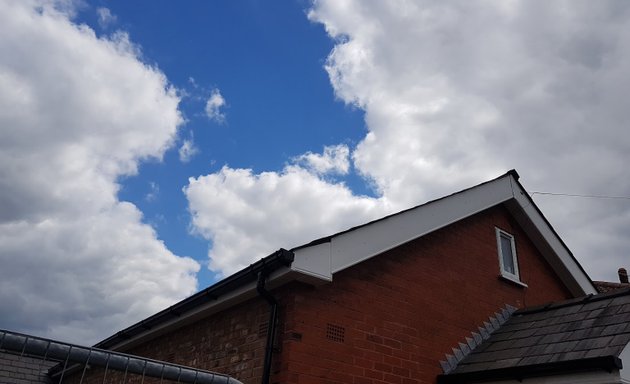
x=587, y=333
x=608, y=286
x=316, y=262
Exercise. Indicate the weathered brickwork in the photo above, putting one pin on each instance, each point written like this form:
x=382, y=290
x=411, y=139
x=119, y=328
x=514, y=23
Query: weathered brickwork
x=231, y=342
x=387, y=320
x=400, y=312
x=15, y=369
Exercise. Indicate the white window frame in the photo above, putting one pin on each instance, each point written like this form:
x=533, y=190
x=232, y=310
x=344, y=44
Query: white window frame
x=505, y=273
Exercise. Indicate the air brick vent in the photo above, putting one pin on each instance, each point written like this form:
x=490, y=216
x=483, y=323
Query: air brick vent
x=262, y=329
x=335, y=333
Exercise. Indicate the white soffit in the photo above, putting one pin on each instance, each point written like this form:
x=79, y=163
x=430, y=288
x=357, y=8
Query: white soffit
x=549, y=243
x=356, y=245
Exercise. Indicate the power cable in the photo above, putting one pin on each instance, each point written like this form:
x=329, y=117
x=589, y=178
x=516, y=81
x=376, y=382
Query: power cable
x=578, y=195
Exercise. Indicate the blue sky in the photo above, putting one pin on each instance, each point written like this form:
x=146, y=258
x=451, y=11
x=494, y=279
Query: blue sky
x=267, y=61
x=150, y=148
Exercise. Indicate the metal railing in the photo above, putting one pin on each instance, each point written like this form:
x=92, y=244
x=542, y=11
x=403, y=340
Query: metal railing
x=66, y=353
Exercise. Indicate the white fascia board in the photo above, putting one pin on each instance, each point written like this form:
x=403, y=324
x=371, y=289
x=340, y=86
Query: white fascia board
x=354, y=246
x=314, y=261
x=549, y=244
x=321, y=261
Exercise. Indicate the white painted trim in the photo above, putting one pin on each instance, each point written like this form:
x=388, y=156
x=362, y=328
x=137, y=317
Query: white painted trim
x=516, y=277
x=549, y=243
x=365, y=242
x=354, y=246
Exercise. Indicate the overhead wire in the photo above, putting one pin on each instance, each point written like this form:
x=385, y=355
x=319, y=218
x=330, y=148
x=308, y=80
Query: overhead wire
x=532, y=193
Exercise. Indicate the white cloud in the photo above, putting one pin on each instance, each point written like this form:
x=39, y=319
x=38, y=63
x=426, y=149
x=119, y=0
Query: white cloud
x=76, y=113
x=456, y=93
x=335, y=159
x=248, y=216
x=105, y=17
x=213, y=106
x=154, y=191
x=187, y=150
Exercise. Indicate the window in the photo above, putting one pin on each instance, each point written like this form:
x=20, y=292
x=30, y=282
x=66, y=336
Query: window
x=507, y=255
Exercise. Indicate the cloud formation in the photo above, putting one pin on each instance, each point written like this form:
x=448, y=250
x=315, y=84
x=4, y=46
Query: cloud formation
x=335, y=160
x=105, y=17
x=213, y=106
x=188, y=149
x=455, y=93
x=255, y=214
x=76, y=113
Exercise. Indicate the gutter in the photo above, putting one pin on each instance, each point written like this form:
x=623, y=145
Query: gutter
x=605, y=363
x=277, y=260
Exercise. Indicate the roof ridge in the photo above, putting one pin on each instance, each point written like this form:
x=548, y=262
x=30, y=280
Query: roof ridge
x=464, y=349
x=325, y=239
x=576, y=301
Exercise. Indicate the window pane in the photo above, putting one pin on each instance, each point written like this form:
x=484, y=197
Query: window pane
x=506, y=253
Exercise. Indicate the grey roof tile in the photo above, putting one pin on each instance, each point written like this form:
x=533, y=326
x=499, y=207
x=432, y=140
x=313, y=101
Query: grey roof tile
x=614, y=329
x=593, y=326
x=559, y=348
x=620, y=340
x=598, y=342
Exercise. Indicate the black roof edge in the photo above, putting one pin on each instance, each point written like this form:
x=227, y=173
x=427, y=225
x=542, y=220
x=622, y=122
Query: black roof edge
x=579, y=300
x=326, y=239
x=266, y=265
x=606, y=363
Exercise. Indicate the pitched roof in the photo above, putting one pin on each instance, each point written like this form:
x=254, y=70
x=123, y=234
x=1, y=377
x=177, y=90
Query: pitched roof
x=585, y=333
x=608, y=286
x=316, y=262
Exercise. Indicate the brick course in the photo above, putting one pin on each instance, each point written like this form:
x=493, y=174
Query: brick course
x=15, y=369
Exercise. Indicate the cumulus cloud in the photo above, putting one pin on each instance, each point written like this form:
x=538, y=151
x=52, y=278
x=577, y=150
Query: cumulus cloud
x=105, y=17
x=76, y=113
x=247, y=215
x=335, y=159
x=455, y=93
x=213, y=106
x=187, y=150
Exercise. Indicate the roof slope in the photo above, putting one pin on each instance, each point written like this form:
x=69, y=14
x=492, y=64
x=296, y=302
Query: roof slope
x=316, y=262
x=583, y=333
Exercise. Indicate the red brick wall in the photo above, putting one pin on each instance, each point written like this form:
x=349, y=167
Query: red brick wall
x=402, y=311
x=387, y=320
x=231, y=342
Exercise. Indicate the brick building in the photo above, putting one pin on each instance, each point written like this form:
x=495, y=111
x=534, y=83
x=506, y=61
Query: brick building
x=403, y=299
x=379, y=303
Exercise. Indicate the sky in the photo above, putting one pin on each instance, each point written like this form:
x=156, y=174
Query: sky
x=150, y=148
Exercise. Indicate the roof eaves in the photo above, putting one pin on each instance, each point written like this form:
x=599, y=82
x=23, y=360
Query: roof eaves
x=531, y=203
x=606, y=363
x=280, y=258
